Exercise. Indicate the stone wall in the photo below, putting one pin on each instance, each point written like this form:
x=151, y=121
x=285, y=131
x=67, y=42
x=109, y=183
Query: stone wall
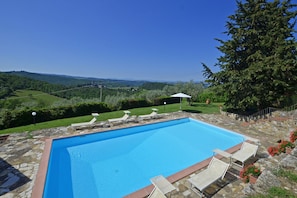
x=280, y=115
x=269, y=177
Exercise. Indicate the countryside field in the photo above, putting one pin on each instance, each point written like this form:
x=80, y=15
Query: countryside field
x=32, y=96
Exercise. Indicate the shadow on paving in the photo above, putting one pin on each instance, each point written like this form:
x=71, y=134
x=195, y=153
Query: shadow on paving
x=231, y=176
x=3, y=138
x=218, y=185
x=10, y=178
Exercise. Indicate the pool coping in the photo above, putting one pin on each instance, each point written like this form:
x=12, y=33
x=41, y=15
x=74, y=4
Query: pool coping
x=38, y=187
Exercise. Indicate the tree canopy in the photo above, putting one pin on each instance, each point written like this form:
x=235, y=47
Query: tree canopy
x=258, y=67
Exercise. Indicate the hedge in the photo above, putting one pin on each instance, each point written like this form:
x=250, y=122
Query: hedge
x=23, y=117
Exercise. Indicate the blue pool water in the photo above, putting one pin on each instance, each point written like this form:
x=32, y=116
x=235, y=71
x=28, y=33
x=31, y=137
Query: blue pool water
x=119, y=162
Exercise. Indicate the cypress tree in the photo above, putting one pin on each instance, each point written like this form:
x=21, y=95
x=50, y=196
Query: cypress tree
x=258, y=67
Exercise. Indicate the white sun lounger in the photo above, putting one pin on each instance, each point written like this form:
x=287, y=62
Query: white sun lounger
x=84, y=123
x=152, y=115
x=148, y=116
x=216, y=170
x=121, y=119
x=256, y=141
x=161, y=187
x=246, y=151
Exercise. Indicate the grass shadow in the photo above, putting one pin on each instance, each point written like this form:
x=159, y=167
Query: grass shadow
x=10, y=178
x=203, y=105
x=192, y=111
x=195, y=105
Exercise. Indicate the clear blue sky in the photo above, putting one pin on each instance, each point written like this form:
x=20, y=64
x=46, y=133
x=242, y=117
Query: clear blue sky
x=158, y=40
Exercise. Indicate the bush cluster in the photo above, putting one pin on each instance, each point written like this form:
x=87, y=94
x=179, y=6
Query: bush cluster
x=280, y=148
x=250, y=170
x=293, y=135
x=24, y=117
x=212, y=96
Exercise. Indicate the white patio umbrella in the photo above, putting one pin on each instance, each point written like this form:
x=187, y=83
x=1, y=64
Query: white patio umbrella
x=180, y=96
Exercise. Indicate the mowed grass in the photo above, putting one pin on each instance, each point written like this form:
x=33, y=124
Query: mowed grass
x=212, y=108
x=31, y=95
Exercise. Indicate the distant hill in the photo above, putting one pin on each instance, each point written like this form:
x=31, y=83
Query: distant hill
x=69, y=87
x=10, y=83
x=75, y=81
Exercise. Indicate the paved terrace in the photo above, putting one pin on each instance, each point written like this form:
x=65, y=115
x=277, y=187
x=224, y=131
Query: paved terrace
x=20, y=154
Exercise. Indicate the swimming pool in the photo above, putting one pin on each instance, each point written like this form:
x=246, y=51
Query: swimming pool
x=119, y=162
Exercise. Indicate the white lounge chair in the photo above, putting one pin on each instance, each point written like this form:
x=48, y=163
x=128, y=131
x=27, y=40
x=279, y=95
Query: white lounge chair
x=152, y=115
x=216, y=170
x=148, y=116
x=84, y=123
x=254, y=140
x=121, y=119
x=161, y=187
x=246, y=151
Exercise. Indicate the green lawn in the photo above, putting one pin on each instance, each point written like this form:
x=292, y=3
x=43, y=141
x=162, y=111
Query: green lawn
x=194, y=108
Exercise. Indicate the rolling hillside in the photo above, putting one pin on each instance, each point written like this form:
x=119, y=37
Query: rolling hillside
x=29, y=96
x=10, y=83
x=19, y=89
x=29, y=99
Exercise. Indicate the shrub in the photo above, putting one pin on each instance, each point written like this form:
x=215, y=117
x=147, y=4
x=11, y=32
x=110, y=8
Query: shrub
x=283, y=145
x=24, y=117
x=132, y=103
x=281, y=148
x=211, y=95
x=273, y=150
x=293, y=136
x=250, y=170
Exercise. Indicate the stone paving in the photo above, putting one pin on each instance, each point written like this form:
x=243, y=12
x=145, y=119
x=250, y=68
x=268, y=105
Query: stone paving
x=20, y=154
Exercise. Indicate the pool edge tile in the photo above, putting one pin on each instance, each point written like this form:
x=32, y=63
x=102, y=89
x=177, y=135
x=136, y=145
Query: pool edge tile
x=38, y=187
